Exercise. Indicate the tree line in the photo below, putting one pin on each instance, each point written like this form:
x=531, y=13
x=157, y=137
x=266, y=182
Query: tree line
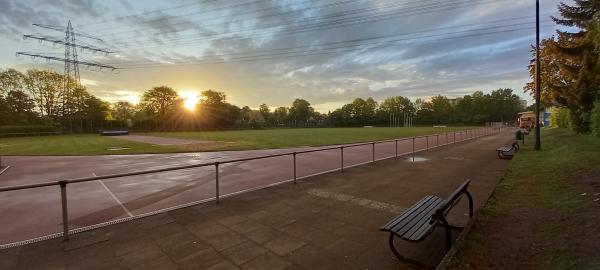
x=39, y=97
x=570, y=67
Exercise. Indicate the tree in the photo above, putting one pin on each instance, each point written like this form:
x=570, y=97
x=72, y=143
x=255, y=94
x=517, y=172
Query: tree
x=123, y=110
x=570, y=63
x=266, y=113
x=46, y=89
x=11, y=80
x=441, y=109
x=159, y=101
x=300, y=111
x=280, y=115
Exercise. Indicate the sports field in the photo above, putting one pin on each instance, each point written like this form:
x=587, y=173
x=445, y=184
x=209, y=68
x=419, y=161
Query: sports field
x=93, y=144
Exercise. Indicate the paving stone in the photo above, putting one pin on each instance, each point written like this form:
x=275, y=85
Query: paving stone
x=160, y=263
x=225, y=240
x=176, y=239
x=283, y=245
x=262, y=235
x=224, y=265
x=232, y=220
x=310, y=257
x=246, y=226
x=267, y=261
x=155, y=220
x=86, y=239
x=184, y=249
x=244, y=252
x=200, y=260
x=165, y=230
x=346, y=249
x=207, y=229
x=123, y=247
x=140, y=256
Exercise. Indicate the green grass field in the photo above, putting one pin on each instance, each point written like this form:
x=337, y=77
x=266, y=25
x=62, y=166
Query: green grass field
x=92, y=144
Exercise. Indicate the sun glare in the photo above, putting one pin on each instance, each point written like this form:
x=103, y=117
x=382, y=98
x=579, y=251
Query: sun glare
x=190, y=99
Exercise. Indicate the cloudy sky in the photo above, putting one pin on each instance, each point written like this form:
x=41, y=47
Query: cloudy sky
x=267, y=51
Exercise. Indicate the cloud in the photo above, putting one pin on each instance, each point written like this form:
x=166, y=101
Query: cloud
x=279, y=50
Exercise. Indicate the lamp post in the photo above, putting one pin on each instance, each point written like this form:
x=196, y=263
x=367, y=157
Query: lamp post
x=538, y=79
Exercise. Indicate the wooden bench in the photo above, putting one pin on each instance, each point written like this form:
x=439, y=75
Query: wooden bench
x=419, y=221
x=506, y=152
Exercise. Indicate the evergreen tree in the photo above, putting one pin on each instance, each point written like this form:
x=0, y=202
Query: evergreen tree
x=573, y=75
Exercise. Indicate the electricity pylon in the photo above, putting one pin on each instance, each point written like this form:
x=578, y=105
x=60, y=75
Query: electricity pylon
x=71, y=62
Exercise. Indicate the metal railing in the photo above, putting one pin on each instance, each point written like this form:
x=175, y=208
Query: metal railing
x=469, y=134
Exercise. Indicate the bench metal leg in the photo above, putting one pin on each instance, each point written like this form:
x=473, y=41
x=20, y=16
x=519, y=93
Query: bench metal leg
x=402, y=258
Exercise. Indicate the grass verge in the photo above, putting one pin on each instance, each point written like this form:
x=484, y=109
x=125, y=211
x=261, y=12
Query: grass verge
x=540, y=215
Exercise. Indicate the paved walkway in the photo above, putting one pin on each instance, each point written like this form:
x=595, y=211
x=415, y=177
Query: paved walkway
x=324, y=222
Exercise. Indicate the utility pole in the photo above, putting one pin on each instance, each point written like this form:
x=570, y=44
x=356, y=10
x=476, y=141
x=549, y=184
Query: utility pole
x=538, y=79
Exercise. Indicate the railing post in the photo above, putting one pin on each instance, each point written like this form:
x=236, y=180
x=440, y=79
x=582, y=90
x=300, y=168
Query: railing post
x=373, y=144
x=454, y=136
x=295, y=177
x=217, y=181
x=447, y=139
x=427, y=145
x=413, y=152
x=396, y=147
x=437, y=140
x=65, y=212
x=341, y=158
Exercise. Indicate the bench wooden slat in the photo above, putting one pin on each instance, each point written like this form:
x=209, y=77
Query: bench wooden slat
x=409, y=213
x=417, y=217
x=425, y=224
x=421, y=218
x=409, y=219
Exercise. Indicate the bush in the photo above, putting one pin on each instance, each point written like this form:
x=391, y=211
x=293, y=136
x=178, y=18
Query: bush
x=561, y=117
x=595, y=119
x=27, y=129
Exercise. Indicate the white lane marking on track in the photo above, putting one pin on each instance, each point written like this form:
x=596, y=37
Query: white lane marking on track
x=114, y=197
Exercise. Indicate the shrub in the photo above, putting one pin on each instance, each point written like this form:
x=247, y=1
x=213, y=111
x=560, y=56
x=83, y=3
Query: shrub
x=560, y=117
x=595, y=119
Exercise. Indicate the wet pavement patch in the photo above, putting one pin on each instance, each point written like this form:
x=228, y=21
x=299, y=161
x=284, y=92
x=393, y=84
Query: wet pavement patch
x=416, y=159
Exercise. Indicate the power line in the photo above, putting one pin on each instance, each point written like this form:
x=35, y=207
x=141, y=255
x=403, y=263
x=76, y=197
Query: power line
x=317, y=26
x=324, y=51
x=367, y=38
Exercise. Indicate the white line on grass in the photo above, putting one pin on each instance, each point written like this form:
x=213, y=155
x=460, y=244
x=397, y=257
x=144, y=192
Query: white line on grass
x=114, y=197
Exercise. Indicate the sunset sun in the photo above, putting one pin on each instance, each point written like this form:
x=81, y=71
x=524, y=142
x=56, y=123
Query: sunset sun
x=190, y=99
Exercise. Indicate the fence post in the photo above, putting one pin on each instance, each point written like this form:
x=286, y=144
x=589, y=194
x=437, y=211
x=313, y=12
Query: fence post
x=413, y=152
x=373, y=152
x=295, y=178
x=454, y=136
x=427, y=145
x=396, y=147
x=447, y=139
x=342, y=159
x=437, y=140
x=65, y=213
x=217, y=181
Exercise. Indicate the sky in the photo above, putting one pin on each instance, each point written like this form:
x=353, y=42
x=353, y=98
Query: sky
x=266, y=51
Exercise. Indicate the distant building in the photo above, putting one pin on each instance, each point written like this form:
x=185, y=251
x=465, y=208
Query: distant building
x=526, y=119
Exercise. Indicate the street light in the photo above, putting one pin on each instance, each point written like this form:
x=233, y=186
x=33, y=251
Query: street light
x=538, y=79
